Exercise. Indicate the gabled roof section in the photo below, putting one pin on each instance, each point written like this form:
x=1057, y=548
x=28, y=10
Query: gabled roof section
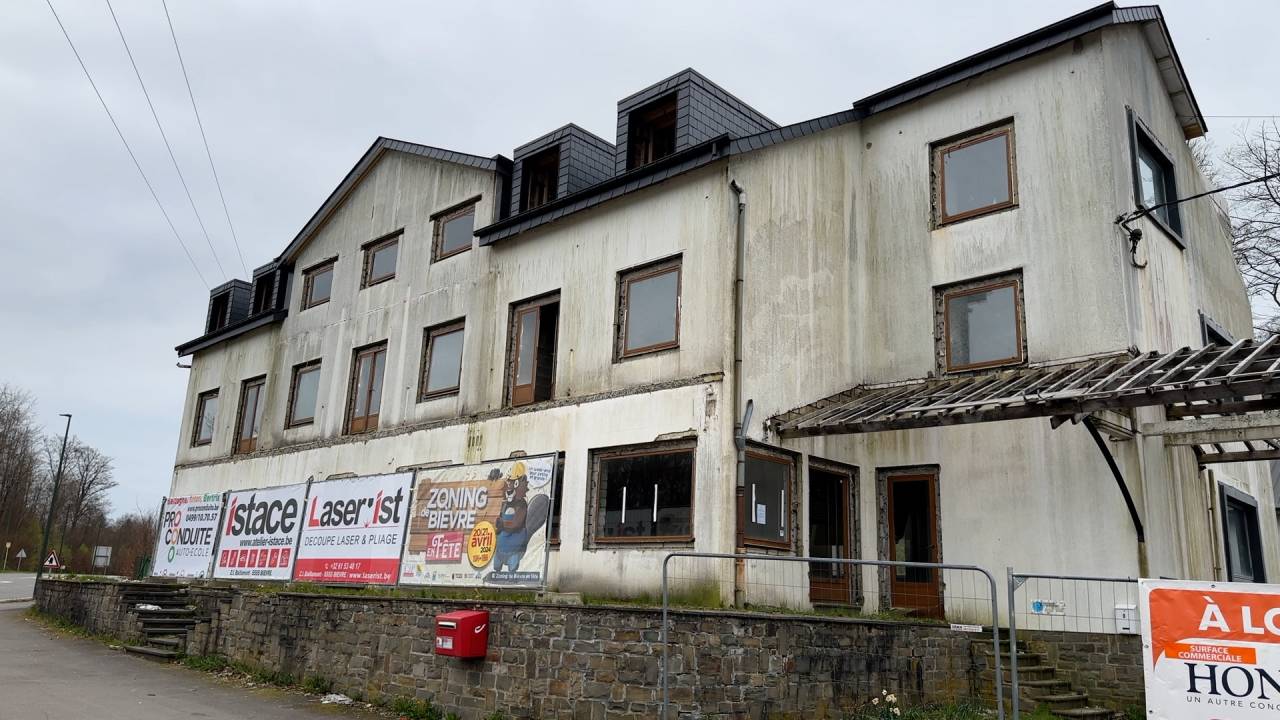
x=1148, y=16
x=371, y=156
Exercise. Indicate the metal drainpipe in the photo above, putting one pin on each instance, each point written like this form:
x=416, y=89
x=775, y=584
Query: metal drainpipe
x=739, y=432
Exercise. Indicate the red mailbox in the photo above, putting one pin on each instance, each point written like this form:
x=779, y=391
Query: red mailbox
x=464, y=633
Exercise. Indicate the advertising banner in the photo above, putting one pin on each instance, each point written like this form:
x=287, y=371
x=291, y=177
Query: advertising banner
x=353, y=530
x=1211, y=650
x=188, y=528
x=259, y=533
x=480, y=524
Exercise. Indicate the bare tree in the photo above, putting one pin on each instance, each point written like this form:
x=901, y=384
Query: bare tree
x=19, y=459
x=86, y=478
x=1255, y=219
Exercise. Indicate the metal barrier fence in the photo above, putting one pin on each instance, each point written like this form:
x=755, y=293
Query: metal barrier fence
x=1067, y=603
x=956, y=600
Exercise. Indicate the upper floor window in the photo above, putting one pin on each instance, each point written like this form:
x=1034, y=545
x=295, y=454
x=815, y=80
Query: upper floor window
x=1214, y=334
x=974, y=175
x=649, y=309
x=651, y=132
x=1243, y=546
x=219, y=311
x=539, y=178
x=644, y=493
x=453, y=230
x=364, y=400
x=380, y=259
x=1153, y=178
x=263, y=288
x=441, y=360
x=249, y=420
x=531, y=367
x=981, y=323
x=205, y=419
x=767, y=497
x=304, y=390
x=317, y=283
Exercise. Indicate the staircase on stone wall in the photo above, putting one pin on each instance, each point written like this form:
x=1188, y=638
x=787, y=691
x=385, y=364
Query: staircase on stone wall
x=164, y=629
x=1038, y=685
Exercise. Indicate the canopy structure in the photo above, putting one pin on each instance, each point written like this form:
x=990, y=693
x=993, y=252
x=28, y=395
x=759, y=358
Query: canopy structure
x=1221, y=400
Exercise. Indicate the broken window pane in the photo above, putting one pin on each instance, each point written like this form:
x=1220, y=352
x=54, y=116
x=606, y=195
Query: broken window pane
x=645, y=495
x=976, y=175
x=982, y=327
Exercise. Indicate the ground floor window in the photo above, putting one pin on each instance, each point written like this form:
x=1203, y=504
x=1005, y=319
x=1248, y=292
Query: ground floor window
x=1243, y=542
x=766, y=499
x=644, y=493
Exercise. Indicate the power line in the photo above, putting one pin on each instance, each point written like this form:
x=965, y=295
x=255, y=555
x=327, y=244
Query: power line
x=129, y=149
x=200, y=124
x=165, y=137
x=1148, y=210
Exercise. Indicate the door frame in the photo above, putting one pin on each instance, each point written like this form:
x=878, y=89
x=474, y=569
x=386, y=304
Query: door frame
x=853, y=521
x=883, y=476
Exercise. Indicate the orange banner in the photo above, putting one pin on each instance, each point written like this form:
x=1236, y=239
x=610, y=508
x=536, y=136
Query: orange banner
x=1212, y=615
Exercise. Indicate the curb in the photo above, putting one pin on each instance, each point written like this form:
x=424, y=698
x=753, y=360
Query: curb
x=15, y=600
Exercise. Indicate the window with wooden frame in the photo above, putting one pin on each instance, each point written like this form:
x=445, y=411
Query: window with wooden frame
x=317, y=283
x=304, y=391
x=531, y=364
x=974, y=174
x=539, y=178
x=452, y=230
x=764, y=513
x=364, y=397
x=219, y=311
x=263, y=289
x=206, y=418
x=1153, y=179
x=249, y=417
x=380, y=259
x=980, y=324
x=441, y=360
x=651, y=131
x=557, y=491
x=644, y=493
x=648, y=309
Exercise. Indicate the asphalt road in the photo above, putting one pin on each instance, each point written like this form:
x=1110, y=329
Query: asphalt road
x=50, y=676
x=16, y=585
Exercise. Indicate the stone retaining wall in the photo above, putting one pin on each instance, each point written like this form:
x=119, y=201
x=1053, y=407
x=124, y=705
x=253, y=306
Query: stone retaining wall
x=555, y=661
x=1108, y=667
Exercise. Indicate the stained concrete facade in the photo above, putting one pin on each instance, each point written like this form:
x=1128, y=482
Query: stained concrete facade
x=842, y=262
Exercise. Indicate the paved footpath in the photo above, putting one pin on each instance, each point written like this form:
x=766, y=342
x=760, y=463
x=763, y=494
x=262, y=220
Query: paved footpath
x=50, y=676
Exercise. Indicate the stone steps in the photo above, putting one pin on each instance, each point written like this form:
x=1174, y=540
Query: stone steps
x=153, y=652
x=1039, y=686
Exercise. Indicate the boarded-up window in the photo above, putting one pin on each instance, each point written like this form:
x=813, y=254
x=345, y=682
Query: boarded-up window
x=644, y=493
x=766, y=500
x=974, y=175
x=649, y=309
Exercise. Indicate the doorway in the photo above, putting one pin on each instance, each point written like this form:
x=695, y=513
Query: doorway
x=830, y=535
x=911, y=521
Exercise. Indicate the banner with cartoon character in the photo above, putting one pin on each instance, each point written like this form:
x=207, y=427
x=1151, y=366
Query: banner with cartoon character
x=480, y=524
x=1211, y=649
x=188, y=528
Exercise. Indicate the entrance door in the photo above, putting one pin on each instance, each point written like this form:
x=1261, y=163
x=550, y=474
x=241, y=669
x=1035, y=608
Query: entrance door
x=913, y=537
x=829, y=535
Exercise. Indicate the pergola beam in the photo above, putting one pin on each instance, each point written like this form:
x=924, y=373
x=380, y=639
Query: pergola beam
x=1210, y=430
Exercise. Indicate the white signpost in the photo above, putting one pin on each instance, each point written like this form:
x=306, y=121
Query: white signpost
x=1211, y=650
x=22, y=555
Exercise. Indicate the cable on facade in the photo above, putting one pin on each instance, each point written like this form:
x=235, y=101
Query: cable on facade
x=165, y=137
x=200, y=124
x=127, y=148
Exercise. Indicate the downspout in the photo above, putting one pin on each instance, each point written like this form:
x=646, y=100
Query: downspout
x=739, y=428
x=1089, y=425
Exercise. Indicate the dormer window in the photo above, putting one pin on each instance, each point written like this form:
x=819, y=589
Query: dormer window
x=652, y=132
x=262, y=290
x=219, y=311
x=540, y=175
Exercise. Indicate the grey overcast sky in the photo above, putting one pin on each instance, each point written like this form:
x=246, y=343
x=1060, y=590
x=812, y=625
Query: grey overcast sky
x=94, y=290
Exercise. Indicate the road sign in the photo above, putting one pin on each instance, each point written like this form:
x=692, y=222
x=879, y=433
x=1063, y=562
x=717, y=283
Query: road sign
x=101, y=556
x=51, y=562
x=21, y=554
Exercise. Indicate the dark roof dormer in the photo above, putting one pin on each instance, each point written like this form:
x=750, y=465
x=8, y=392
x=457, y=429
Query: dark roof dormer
x=680, y=112
x=561, y=162
x=228, y=303
x=268, y=289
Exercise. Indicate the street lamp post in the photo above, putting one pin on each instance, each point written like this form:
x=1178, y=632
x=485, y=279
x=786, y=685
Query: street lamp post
x=53, y=499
